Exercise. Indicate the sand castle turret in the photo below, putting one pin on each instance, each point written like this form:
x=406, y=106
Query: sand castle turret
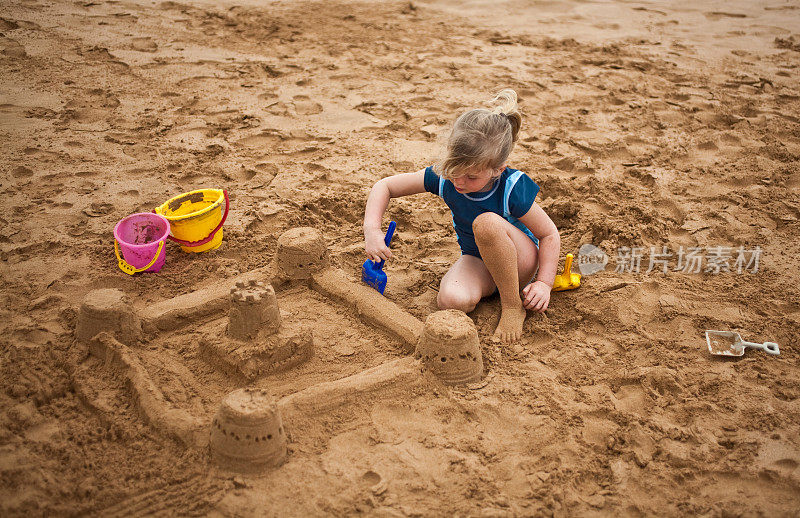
x=449, y=347
x=301, y=252
x=255, y=343
x=253, y=311
x=247, y=434
x=108, y=310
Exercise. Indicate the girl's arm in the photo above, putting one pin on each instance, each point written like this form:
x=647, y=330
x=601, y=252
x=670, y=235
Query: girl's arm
x=536, y=295
x=384, y=190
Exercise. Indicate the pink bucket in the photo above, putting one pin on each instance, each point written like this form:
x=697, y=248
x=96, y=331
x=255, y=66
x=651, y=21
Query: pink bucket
x=142, y=239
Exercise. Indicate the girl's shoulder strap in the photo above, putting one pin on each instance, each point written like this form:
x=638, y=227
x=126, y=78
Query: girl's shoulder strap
x=511, y=181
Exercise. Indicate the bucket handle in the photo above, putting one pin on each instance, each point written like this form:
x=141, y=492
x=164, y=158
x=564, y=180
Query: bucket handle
x=128, y=268
x=213, y=232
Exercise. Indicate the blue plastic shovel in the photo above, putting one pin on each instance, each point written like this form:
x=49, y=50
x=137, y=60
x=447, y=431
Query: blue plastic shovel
x=371, y=272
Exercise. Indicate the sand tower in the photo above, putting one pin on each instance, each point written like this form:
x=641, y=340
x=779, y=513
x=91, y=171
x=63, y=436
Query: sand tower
x=253, y=311
x=247, y=434
x=302, y=251
x=254, y=342
x=108, y=310
x=449, y=347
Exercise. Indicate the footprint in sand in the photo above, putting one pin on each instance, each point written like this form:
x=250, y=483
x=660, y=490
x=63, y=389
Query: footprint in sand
x=402, y=165
x=144, y=45
x=39, y=112
x=661, y=382
x=265, y=139
x=21, y=172
x=303, y=105
x=94, y=98
x=777, y=455
x=296, y=141
x=12, y=48
x=278, y=108
x=93, y=106
x=707, y=146
x=730, y=139
x=718, y=120
x=719, y=15
x=96, y=210
x=575, y=164
x=245, y=175
x=787, y=43
x=94, y=53
x=8, y=25
x=83, y=116
x=632, y=399
x=262, y=174
x=679, y=96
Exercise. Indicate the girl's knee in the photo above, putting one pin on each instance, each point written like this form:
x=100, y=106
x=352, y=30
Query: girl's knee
x=452, y=299
x=488, y=224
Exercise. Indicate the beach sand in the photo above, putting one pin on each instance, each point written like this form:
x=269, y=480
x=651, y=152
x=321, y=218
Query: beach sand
x=646, y=124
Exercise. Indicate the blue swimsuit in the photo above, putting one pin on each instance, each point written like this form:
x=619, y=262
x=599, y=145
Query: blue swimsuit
x=511, y=196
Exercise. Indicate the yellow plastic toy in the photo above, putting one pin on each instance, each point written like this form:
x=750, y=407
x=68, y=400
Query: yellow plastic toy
x=567, y=280
x=196, y=218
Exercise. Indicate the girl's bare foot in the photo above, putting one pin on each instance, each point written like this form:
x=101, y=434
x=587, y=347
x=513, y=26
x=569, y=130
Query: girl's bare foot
x=510, y=327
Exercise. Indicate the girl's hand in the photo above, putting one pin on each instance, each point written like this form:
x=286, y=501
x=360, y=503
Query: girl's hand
x=536, y=296
x=375, y=246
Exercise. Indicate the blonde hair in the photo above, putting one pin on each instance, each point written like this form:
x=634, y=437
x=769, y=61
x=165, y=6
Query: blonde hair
x=482, y=138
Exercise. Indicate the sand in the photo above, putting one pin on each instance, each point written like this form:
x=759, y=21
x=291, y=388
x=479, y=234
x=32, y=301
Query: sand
x=647, y=124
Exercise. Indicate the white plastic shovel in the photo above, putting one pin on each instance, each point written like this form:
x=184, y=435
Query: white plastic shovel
x=728, y=343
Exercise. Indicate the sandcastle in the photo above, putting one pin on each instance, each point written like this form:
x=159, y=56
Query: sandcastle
x=108, y=310
x=240, y=331
x=254, y=310
x=254, y=343
x=449, y=347
x=247, y=434
x=301, y=252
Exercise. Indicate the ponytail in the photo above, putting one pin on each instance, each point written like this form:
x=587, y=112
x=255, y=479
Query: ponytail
x=507, y=107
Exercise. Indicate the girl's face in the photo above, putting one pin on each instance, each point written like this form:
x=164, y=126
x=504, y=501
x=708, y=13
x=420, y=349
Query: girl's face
x=477, y=181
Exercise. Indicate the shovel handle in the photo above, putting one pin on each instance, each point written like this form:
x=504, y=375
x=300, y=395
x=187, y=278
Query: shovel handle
x=390, y=232
x=388, y=239
x=568, y=266
x=767, y=347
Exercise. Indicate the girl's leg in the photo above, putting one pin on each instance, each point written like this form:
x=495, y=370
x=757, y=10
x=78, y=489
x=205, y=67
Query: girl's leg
x=511, y=258
x=465, y=284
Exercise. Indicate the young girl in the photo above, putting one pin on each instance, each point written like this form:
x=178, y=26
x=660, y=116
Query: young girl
x=504, y=236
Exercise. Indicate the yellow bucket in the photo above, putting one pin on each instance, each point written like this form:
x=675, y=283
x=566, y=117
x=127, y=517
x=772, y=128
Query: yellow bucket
x=196, y=218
